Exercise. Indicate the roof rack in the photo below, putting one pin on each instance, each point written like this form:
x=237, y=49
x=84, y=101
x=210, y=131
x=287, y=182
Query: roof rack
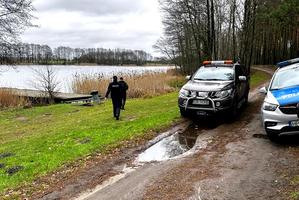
x=219, y=62
x=287, y=63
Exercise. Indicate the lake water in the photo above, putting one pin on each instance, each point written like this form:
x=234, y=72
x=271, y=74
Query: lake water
x=24, y=77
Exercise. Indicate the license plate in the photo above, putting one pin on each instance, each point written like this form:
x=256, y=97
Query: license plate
x=201, y=113
x=201, y=102
x=294, y=123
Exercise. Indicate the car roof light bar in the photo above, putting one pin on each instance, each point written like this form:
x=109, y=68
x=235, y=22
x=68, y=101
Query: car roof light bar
x=219, y=62
x=288, y=62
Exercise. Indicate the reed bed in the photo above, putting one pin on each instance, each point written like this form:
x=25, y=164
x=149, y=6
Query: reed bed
x=8, y=99
x=140, y=85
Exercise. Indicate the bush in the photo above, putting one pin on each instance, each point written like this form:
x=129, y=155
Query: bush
x=9, y=99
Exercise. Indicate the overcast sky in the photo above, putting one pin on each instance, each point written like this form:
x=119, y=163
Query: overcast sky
x=132, y=24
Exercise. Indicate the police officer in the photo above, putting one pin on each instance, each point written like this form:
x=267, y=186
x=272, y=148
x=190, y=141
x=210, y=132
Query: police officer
x=116, y=90
x=125, y=87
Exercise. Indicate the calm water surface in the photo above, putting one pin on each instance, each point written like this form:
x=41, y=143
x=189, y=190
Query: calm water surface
x=24, y=77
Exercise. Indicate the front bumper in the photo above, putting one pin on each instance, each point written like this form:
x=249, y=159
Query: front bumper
x=278, y=123
x=215, y=105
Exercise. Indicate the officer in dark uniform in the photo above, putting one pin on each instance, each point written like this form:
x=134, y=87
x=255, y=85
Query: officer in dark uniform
x=125, y=87
x=116, y=90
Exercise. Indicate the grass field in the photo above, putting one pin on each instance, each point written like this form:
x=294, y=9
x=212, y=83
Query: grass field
x=39, y=140
x=43, y=138
x=258, y=77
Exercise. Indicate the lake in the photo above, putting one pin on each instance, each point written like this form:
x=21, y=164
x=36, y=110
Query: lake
x=24, y=77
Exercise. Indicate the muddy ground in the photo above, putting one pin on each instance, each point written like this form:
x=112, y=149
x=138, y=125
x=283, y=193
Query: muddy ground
x=229, y=160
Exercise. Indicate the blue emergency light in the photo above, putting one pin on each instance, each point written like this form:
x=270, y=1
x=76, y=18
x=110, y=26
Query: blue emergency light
x=288, y=62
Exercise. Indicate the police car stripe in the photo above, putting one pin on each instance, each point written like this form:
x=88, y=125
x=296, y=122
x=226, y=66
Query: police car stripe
x=287, y=96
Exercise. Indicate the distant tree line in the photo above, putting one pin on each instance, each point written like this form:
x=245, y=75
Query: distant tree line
x=250, y=31
x=43, y=54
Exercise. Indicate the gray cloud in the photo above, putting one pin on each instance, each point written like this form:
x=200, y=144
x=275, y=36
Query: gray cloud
x=92, y=6
x=133, y=24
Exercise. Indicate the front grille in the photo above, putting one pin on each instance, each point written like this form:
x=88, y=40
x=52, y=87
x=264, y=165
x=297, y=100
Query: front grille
x=289, y=109
x=290, y=129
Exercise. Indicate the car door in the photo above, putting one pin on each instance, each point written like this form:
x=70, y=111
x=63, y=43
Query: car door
x=240, y=85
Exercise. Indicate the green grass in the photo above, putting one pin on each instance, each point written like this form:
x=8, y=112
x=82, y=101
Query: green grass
x=294, y=195
x=295, y=181
x=258, y=77
x=45, y=138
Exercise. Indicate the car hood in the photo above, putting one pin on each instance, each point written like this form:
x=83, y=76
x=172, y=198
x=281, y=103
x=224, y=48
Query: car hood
x=284, y=96
x=206, y=86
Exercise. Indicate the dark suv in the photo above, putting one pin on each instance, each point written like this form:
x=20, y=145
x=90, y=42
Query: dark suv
x=216, y=86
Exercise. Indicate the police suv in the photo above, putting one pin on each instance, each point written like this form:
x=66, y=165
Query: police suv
x=280, y=110
x=216, y=86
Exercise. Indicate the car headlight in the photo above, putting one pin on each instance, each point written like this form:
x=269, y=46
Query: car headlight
x=269, y=106
x=223, y=93
x=184, y=93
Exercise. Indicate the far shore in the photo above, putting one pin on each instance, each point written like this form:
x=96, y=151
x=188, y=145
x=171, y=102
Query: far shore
x=94, y=64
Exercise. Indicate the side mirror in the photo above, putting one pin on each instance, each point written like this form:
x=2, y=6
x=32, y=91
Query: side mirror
x=242, y=78
x=188, y=77
x=263, y=90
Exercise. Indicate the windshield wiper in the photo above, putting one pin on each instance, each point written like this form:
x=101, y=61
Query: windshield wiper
x=215, y=79
x=200, y=79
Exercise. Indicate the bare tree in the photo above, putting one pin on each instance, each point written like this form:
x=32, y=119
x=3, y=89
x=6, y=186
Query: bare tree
x=14, y=18
x=208, y=29
x=46, y=80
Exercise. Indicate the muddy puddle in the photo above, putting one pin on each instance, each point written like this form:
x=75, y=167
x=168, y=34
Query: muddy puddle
x=170, y=147
x=166, y=146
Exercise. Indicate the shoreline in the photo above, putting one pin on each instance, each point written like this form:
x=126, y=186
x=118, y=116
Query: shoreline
x=92, y=65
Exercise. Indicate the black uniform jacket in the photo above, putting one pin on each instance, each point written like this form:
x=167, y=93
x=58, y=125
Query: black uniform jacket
x=116, y=89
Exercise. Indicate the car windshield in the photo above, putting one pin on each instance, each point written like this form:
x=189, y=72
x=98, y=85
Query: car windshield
x=214, y=74
x=286, y=79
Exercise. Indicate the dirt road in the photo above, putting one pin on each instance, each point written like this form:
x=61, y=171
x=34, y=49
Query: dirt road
x=229, y=160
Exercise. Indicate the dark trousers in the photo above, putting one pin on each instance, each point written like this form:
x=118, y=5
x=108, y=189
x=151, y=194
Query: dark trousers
x=123, y=100
x=116, y=106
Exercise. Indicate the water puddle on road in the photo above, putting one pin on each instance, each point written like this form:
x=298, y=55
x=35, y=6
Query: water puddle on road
x=169, y=147
x=166, y=146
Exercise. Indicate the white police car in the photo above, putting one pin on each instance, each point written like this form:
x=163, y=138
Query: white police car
x=280, y=110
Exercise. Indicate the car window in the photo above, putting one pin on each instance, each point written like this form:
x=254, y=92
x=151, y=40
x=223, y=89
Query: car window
x=214, y=74
x=285, y=79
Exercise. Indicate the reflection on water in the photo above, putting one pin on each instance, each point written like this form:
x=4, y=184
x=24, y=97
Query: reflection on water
x=169, y=147
x=187, y=140
x=23, y=77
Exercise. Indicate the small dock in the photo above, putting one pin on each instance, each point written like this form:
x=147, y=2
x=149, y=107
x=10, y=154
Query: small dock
x=39, y=96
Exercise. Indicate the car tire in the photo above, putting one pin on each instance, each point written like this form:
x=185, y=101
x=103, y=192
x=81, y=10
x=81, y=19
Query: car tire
x=272, y=136
x=183, y=112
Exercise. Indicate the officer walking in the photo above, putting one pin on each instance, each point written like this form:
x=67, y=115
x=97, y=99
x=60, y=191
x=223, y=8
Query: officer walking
x=125, y=87
x=116, y=90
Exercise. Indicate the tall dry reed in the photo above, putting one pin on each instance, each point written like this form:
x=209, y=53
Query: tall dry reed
x=9, y=99
x=144, y=85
